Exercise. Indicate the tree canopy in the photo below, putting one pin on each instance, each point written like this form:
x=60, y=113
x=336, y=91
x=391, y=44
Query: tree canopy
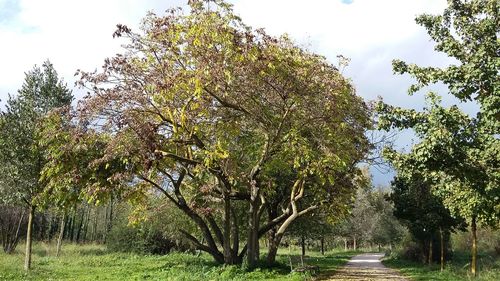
x=201, y=105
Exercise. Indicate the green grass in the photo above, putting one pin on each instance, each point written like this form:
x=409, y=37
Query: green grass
x=94, y=262
x=456, y=269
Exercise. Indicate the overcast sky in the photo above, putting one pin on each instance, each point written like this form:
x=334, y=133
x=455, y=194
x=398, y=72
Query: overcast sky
x=77, y=34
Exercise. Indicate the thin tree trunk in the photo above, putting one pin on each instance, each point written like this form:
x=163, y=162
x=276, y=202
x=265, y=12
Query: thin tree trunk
x=61, y=234
x=322, y=242
x=354, y=245
x=303, y=245
x=73, y=223
x=80, y=226
x=86, y=224
x=345, y=245
x=474, y=247
x=13, y=244
x=94, y=227
x=441, y=242
x=228, y=253
x=27, y=259
x=430, y=252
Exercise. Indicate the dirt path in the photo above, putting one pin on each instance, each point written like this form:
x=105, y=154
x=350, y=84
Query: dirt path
x=365, y=267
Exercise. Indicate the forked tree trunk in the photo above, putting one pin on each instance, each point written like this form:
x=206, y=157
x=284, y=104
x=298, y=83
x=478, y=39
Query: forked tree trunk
x=61, y=234
x=474, y=247
x=27, y=258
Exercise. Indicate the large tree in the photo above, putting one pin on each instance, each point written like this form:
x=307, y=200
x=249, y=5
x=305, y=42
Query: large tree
x=456, y=155
x=201, y=105
x=458, y=152
x=21, y=155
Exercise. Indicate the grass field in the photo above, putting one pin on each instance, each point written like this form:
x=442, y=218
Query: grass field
x=457, y=269
x=93, y=262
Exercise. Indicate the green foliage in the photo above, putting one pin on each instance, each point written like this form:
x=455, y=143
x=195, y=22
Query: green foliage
x=422, y=212
x=154, y=230
x=467, y=31
x=371, y=219
x=20, y=154
x=456, y=154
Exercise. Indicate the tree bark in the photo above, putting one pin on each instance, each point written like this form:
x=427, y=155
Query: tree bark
x=441, y=242
x=273, y=249
x=253, y=231
x=474, y=247
x=354, y=244
x=345, y=244
x=27, y=258
x=61, y=234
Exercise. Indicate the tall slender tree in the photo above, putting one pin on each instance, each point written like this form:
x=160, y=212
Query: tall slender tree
x=20, y=151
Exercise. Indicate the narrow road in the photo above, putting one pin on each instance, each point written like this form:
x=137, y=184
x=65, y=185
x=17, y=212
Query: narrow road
x=366, y=267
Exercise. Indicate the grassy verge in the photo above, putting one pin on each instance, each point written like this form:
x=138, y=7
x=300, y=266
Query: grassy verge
x=457, y=269
x=93, y=262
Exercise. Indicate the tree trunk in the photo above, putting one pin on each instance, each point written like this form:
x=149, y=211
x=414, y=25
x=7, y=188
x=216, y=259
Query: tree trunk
x=441, y=242
x=61, y=234
x=430, y=252
x=72, y=228
x=322, y=242
x=86, y=225
x=13, y=243
x=94, y=225
x=253, y=232
x=27, y=258
x=273, y=249
x=228, y=253
x=345, y=245
x=354, y=245
x=303, y=245
x=235, y=237
x=80, y=226
x=474, y=247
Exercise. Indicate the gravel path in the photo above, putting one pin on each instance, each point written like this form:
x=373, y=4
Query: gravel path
x=365, y=267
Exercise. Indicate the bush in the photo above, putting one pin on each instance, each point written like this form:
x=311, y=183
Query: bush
x=157, y=232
